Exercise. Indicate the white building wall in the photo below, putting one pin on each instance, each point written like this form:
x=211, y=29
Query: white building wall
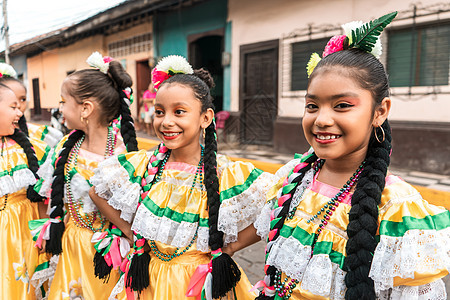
x=263, y=20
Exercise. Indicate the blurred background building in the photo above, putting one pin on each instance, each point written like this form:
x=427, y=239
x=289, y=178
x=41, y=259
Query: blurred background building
x=257, y=52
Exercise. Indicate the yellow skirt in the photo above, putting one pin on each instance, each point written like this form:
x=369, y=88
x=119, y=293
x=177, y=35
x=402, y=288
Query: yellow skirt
x=74, y=276
x=170, y=280
x=18, y=256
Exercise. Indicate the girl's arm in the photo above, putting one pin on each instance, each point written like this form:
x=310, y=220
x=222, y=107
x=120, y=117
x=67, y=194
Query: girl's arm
x=42, y=210
x=113, y=215
x=246, y=238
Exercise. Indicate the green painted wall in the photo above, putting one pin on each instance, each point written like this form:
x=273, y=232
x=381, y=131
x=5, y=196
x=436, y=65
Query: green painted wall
x=172, y=29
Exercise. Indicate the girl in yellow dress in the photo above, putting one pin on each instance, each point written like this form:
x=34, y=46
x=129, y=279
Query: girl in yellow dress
x=19, y=163
x=184, y=202
x=340, y=225
x=91, y=99
x=51, y=136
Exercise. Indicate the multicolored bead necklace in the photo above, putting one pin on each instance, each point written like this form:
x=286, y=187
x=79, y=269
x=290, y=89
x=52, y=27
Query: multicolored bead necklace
x=198, y=174
x=74, y=205
x=284, y=290
x=8, y=170
x=166, y=257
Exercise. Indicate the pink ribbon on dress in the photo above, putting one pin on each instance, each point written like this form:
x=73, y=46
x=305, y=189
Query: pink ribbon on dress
x=197, y=281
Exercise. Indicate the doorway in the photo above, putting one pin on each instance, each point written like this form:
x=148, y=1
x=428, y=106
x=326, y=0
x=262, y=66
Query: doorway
x=205, y=51
x=258, y=92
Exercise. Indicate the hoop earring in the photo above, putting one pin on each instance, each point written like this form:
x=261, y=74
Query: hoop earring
x=82, y=120
x=382, y=133
x=204, y=133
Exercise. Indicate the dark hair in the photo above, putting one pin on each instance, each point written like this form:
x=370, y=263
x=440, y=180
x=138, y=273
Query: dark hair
x=22, y=121
x=363, y=216
x=107, y=90
x=225, y=272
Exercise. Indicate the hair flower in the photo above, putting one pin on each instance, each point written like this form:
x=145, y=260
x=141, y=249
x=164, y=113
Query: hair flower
x=335, y=44
x=7, y=71
x=312, y=63
x=96, y=60
x=169, y=66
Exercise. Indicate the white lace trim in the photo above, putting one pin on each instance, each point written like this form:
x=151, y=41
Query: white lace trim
x=20, y=179
x=167, y=231
x=53, y=136
x=80, y=190
x=45, y=172
x=112, y=183
x=262, y=222
x=317, y=275
x=421, y=251
x=40, y=277
x=240, y=211
x=430, y=291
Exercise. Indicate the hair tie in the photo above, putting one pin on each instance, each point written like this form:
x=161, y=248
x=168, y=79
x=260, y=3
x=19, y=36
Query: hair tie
x=101, y=63
x=169, y=66
x=364, y=36
x=128, y=96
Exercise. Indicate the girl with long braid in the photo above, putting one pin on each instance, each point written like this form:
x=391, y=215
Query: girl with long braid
x=51, y=136
x=183, y=201
x=91, y=99
x=340, y=225
x=19, y=163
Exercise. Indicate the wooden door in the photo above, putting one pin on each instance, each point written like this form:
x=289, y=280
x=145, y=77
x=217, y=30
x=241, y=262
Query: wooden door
x=36, y=97
x=258, y=92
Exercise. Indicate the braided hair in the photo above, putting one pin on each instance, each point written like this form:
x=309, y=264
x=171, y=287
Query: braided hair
x=22, y=121
x=370, y=74
x=108, y=92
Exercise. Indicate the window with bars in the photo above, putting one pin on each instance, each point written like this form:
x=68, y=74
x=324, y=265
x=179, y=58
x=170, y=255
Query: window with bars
x=419, y=56
x=136, y=44
x=301, y=52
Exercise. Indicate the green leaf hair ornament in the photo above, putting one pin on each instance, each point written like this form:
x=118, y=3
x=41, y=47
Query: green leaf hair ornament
x=364, y=36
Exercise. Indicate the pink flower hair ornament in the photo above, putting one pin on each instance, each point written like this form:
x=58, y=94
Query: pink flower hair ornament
x=168, y=67
x=364, y=36
x=101, y=63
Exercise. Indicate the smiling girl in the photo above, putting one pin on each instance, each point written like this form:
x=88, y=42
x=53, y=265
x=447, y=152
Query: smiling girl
x=19, y=162
x=341, y=225
x=184, y=202
x=90, y=100
x=48, y=134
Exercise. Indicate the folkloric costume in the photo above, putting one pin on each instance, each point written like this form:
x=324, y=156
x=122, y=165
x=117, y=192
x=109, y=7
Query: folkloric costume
x=69, y=272
x=18, y=256
x=309, y=224
x=169, y=206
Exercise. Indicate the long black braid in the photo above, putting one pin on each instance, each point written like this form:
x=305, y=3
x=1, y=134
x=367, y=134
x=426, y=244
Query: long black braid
x=33, y=164
x=23, y=125
x=57, y=194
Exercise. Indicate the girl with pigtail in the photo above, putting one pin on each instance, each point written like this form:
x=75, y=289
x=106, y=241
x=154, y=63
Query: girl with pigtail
x=181, y=204
x=45, y=133
x=20, y=161
x=340, y=225
x=90, y=100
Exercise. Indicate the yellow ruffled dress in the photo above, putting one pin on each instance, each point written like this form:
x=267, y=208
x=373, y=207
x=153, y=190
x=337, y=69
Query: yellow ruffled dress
x=412, y=256
x=51, y=136
x=174, y=215
x=18, y=257
x=72, y=272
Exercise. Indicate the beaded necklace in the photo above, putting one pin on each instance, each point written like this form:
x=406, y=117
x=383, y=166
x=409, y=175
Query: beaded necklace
x=198, y=174
x=285, y=290
x=8, y=170
x=74, y=205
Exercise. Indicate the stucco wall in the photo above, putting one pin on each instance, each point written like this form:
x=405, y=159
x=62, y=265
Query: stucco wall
x=268, y=20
